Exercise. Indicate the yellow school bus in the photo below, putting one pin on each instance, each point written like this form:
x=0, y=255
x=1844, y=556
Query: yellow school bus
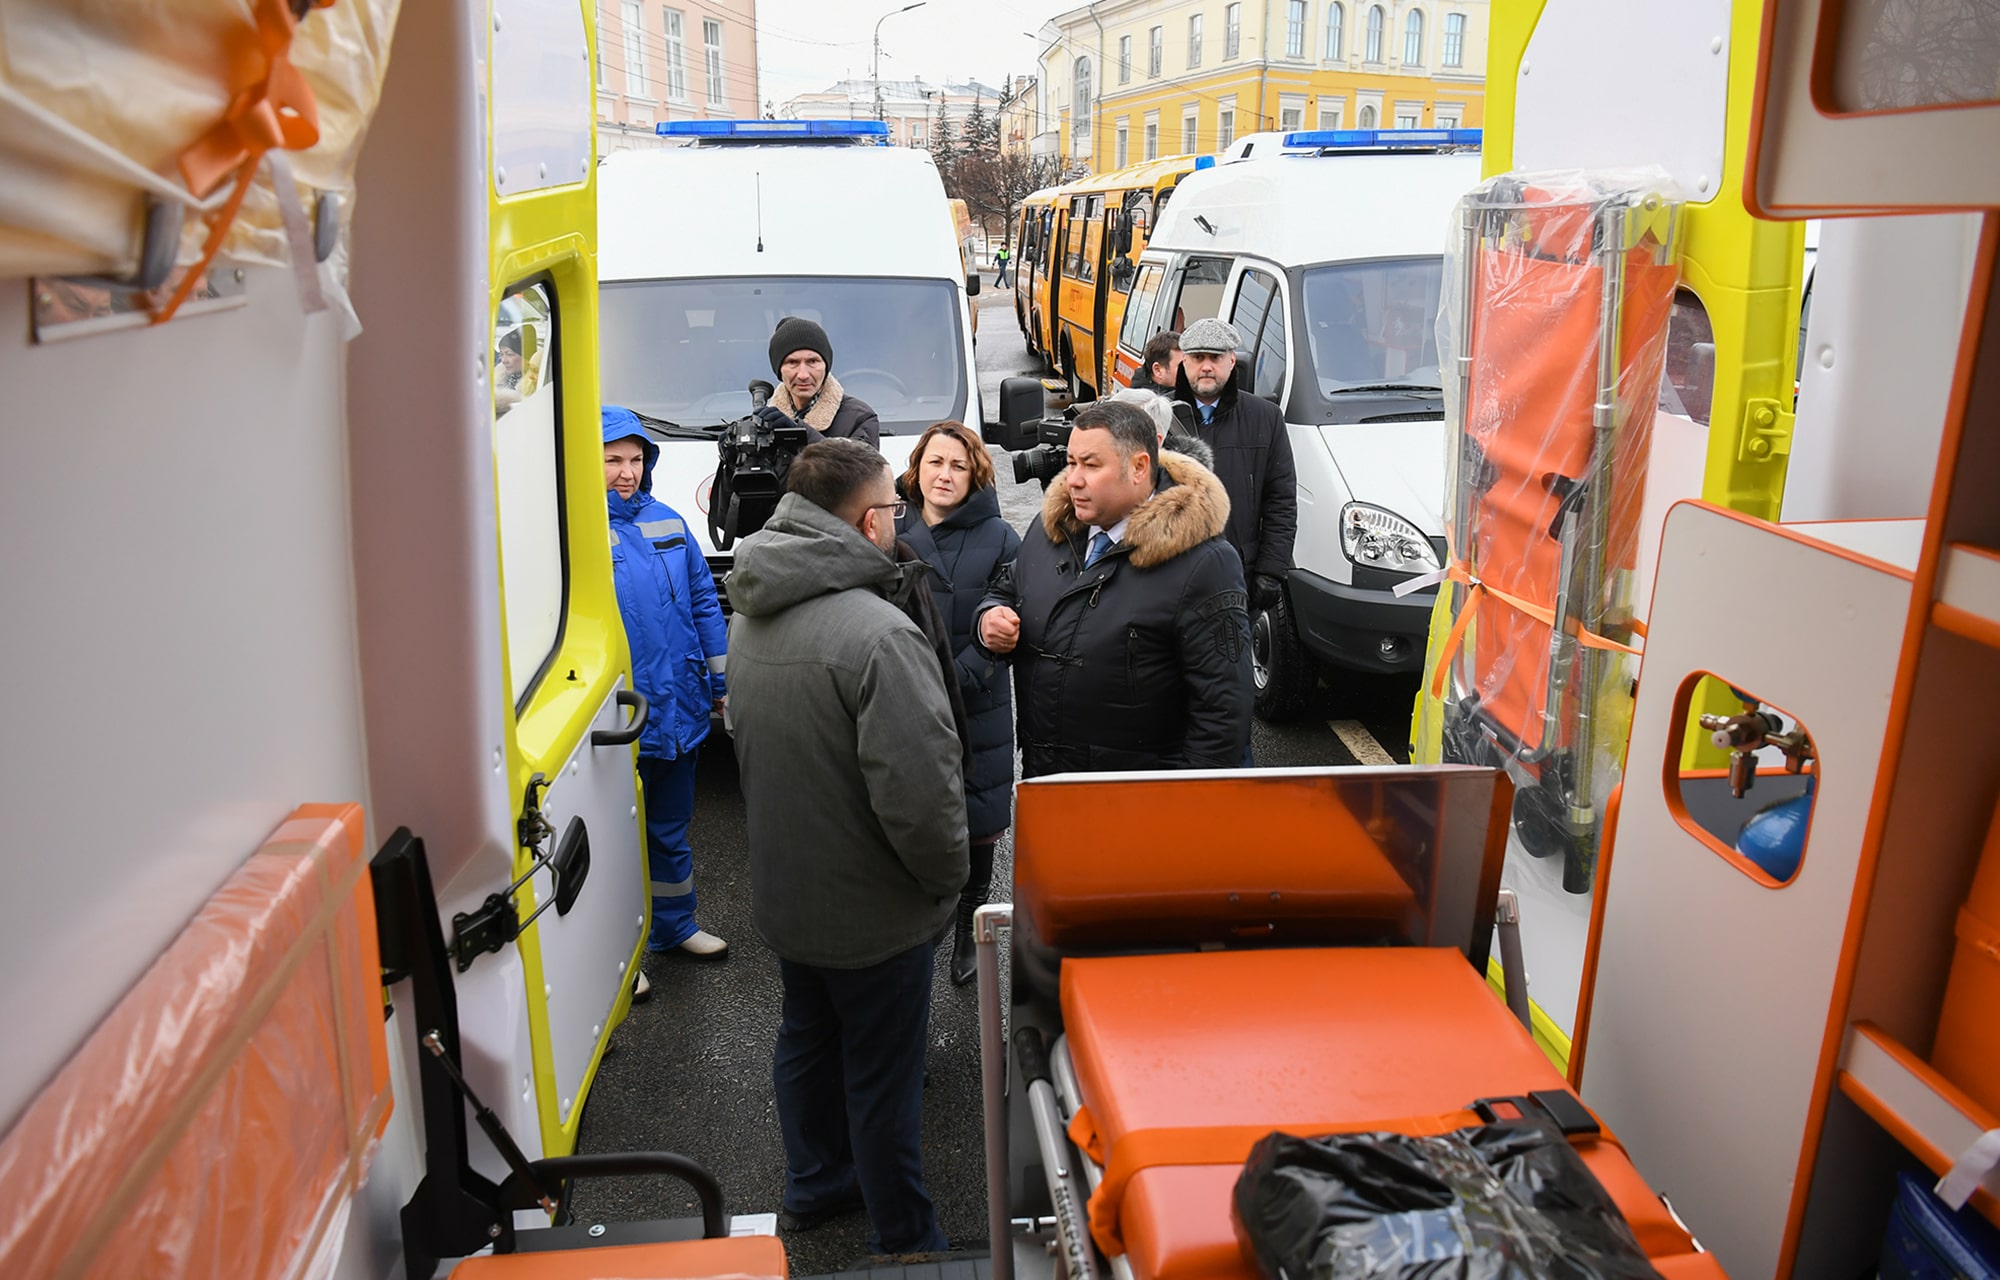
x=1105, y=220
x=968, y=252
x=1034, y=269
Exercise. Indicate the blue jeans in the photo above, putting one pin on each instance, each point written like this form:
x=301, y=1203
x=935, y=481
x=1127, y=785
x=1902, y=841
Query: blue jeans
x=669, y=861
x=849, y=1070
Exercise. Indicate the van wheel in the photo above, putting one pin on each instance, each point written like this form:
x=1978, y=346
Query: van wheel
x=1282, y=673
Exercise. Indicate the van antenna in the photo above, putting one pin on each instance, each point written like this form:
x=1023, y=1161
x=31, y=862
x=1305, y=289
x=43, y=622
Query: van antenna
x=760, y=210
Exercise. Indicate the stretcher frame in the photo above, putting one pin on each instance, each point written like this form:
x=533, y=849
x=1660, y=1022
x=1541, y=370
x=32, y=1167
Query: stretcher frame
x=1582, y=606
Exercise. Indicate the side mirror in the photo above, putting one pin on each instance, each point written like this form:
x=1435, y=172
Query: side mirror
x=1121, y=270
x=972, y=285
x=1021, y=405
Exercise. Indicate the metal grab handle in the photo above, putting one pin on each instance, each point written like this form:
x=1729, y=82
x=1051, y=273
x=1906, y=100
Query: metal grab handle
x=516, y=1193
x=630, y=733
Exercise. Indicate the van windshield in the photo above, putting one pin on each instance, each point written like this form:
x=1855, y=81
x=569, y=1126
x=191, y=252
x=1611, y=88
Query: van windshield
x=686, y=350
x=1372, y=326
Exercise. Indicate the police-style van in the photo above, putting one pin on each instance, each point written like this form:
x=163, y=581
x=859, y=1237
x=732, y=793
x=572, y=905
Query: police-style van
x=1324, y=250
x=705, y=245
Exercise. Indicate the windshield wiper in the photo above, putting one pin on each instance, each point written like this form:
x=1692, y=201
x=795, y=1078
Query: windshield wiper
x=675, y=431
x=1419, y=388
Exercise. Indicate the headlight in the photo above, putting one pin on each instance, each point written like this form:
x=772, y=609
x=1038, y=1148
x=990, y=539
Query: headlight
x=1384, y=540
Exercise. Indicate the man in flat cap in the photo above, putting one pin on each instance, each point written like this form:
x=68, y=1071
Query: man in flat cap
x=808, y=392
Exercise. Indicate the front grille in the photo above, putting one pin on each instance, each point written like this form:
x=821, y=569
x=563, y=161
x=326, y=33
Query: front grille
x=720, y=566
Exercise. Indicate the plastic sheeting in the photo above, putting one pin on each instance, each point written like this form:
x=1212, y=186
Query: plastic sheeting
x=99, y=103
x=219, y=1120
x=1506, y=1201
x=1558, y=289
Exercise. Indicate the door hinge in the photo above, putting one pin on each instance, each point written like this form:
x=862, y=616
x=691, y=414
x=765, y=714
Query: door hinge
x=1767, y=431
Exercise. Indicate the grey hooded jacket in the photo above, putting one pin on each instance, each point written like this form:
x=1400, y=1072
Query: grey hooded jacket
x=849, y=761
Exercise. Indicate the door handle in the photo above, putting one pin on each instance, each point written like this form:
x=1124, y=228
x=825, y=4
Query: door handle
x=630, y=733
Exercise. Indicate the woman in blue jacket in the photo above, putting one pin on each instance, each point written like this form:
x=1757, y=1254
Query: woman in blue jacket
x=954, y=523
x=674, y=628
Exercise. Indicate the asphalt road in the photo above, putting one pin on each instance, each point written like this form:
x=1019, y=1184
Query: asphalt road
x=690, y=1070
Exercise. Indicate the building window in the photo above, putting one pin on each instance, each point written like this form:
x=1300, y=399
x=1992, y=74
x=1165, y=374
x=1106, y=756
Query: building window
x=1232, y=30
x=1121, y=147
x=1225, y=127
x=1291, y=114
x=1454, y=40
x=635, y=48
x=711, y=48
x=1372, y=52
x=1329, y=116
x=1152, y=138
x=677, y=72
x=1367, y=119
x=1156, y=44
x=1190, y=131
x=1194, y=41
x=1446, y=117
x=1079, y=121
x=1295, y=28
x=1336, y=32
x=1124, y=59
x=1413, y=39
x=1408, y=120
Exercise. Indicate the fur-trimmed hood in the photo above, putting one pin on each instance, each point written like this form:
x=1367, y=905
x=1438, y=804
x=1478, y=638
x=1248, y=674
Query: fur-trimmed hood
x=824, y=405
x=1188, y=507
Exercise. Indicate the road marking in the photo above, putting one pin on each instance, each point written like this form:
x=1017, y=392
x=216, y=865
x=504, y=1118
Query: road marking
x=1359, y=742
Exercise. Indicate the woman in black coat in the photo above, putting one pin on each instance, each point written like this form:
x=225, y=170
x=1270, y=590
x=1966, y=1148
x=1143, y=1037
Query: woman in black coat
x=954, y=524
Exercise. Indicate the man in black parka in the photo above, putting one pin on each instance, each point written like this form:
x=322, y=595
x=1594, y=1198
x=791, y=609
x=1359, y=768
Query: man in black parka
x=1253, y=456
x=1125, y=616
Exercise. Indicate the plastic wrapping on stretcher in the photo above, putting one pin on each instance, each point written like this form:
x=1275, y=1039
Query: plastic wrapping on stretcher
x=1558, y=290
x=219, y=1119
x=1504, y=1201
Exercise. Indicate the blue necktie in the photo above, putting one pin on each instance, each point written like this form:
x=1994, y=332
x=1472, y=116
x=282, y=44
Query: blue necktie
x=1207, y=413
x=1099, y=546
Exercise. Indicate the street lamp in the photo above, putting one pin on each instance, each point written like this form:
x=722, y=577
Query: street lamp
x=878, y=49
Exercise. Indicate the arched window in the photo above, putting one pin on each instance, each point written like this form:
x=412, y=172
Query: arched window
x=1367, y=119
x=1454, y=40
x=1336, y=33
x=1079, y=119
x=1413, y=39
x=1373, y=51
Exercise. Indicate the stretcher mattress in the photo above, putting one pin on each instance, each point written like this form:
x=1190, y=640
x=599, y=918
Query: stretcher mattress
x=1301, y=1040
x=737, y=1258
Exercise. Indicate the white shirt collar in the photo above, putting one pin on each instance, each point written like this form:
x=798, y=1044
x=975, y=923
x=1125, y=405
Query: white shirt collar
x=1117, y=531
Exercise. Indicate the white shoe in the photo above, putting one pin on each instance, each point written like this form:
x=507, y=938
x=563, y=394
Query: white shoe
x=642, y=990
x=704, y=945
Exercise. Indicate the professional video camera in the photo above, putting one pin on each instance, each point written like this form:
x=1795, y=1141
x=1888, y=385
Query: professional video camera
x=1045, y=459
x=755, y=455
x=1043, y=442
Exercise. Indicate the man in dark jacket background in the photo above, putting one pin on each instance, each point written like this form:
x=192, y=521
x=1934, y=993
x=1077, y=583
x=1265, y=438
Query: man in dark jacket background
x=1160, y=363
x=807, y=391
x=852, y=777
x=1125, y=615
x=1253, y=456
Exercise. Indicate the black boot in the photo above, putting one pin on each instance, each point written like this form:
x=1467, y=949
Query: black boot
x=964, y=955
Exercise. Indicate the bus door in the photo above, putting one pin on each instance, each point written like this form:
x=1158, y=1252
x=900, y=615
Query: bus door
x=1076, y=292
x=1129, y=226
x=1048, y=279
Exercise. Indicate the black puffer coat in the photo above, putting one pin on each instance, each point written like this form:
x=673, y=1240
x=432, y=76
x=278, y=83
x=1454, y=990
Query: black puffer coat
x=1253, y=459
x=967, y=552
x=1142, y=660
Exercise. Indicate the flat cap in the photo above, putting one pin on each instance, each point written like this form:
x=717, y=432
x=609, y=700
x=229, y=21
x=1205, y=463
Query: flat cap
x=1210, y=336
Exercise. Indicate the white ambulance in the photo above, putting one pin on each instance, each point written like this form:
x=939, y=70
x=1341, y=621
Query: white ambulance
x=705, y=245
x=1325, y=250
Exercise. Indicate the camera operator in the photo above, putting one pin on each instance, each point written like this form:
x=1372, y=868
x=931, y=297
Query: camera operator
x=808, y=393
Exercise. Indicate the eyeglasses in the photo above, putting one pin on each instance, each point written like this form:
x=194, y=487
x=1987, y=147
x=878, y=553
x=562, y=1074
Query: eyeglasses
x=895, y=509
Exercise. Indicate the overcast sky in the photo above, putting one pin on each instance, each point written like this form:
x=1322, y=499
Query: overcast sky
x=806, y=45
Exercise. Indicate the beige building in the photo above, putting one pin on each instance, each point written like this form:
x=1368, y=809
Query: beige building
x=909, y=107
x=1133, y=80
x=1018, y=120
x=675, y=60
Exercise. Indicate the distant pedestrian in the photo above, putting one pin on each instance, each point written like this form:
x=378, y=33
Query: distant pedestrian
x=1124, y=616
x=954, y=523
x=679, y=643
x=1000, y=267
x=852, y=775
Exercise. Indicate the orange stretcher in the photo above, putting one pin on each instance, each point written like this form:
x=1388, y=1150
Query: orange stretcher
x=1562, y=287
x=1178, y=1042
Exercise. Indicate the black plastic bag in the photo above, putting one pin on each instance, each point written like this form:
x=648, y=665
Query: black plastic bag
x=1504, y=1201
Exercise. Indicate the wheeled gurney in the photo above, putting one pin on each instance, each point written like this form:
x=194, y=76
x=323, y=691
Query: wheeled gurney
x=1242, y=953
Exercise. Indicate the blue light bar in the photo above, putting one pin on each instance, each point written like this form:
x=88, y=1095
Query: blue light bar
x=776, y=130
x=1381, y=139
x=1204, y=162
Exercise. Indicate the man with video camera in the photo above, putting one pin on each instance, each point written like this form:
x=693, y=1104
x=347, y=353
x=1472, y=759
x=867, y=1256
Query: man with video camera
x=808, y=393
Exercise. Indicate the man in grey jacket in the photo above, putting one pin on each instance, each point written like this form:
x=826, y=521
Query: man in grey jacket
x=850, y=767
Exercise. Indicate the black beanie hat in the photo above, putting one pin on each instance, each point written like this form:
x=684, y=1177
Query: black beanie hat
x=795, y=333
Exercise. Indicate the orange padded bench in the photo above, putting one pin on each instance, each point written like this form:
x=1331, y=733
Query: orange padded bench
x=738, y=1258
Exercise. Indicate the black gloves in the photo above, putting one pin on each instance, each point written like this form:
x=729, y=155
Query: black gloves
x=1265, y=591
x=775, y=418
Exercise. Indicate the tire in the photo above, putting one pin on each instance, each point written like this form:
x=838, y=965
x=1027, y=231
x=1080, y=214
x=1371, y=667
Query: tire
x=1076, y=395
x=1283, y=674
